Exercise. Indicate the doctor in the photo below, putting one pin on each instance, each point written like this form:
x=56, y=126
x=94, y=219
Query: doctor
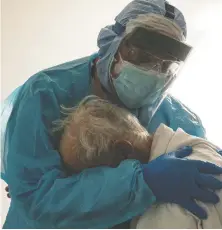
x=139, y=58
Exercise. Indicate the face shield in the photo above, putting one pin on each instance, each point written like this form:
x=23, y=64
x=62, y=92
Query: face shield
x=157, y=16
x=147, y=63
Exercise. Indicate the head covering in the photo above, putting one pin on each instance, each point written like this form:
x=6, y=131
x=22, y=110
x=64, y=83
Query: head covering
x=111, y=36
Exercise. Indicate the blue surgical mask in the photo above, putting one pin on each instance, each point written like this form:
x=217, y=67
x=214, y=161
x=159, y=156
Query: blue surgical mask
x=137, y=87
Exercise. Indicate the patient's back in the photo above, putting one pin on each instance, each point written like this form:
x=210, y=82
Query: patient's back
x=172, y=216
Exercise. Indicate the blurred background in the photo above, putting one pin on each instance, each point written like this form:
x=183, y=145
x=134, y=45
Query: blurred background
x=37, y=34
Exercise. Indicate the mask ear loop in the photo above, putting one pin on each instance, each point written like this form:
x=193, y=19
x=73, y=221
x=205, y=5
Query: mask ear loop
x=123, y=148
x=87, y=99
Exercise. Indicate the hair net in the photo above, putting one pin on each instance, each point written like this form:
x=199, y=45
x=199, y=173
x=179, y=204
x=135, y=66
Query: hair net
x=111, y=36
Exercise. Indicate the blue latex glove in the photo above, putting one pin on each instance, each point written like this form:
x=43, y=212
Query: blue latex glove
x=220, y=152
x=180, y=181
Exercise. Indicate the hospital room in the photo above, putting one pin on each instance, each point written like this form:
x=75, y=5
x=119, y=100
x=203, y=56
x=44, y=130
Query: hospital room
x=57, y=53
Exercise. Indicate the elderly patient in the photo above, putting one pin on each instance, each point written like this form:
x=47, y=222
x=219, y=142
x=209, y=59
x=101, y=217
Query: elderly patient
x=97, y=133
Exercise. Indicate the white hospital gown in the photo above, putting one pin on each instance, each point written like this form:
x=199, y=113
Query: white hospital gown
x=172, y=216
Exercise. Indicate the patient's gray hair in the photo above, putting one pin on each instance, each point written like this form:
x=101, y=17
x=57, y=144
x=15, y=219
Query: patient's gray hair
x=92, y=127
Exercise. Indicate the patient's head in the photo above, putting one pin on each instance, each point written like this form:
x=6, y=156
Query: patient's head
x=97, y=133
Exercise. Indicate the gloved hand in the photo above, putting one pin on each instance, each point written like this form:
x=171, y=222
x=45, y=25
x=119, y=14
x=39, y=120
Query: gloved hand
x=173, y=179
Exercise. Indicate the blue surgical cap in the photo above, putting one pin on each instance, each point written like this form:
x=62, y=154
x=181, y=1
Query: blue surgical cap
x=111, y=36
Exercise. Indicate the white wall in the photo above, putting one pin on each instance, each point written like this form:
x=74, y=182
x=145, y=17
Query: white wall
x=40, y=33
x=37, y=34
x=200, y=83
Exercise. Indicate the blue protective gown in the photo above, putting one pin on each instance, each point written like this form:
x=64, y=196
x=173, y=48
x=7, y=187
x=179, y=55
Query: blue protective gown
x=42, y=196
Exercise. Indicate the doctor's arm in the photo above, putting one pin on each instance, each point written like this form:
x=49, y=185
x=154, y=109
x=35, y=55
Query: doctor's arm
x=96, y=198
x=175, y=114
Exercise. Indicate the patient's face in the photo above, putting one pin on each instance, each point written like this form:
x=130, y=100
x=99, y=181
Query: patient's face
x=101, y=134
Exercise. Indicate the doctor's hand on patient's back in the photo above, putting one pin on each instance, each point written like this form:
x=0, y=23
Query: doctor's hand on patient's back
x=174, y=179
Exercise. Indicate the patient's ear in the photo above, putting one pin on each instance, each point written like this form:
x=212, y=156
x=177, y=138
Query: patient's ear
x=120, y=151
x=126, y=150
x=123, y=148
